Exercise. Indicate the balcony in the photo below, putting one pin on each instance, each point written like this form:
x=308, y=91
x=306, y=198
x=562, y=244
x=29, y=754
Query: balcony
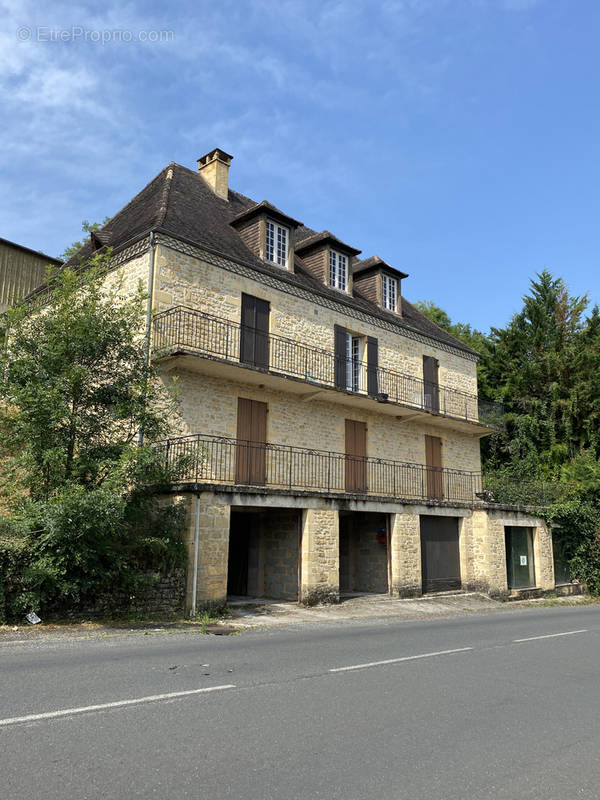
x=185, y=332
x=215, y=460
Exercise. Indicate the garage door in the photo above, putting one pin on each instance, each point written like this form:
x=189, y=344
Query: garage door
x=440, y=556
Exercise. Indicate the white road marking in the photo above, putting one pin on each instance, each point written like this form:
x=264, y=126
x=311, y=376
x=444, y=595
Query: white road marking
x=550, y=635
x=398, y=660
x=117, y=704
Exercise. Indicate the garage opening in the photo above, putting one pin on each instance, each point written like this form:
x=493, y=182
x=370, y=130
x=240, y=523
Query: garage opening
x=440, y=554
x=364, y=553
x=520, y=566
x=263, y=553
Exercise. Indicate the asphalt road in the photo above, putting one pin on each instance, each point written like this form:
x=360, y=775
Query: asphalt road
x=462, y=708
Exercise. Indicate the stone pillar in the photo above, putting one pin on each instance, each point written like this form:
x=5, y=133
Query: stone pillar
x=405, y=543
x=476, y=558
x=213, y=550
x=543, y=555
x=495, y=555
x=320, y=573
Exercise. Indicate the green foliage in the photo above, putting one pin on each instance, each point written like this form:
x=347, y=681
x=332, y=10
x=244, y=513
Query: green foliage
x=86, y=227
x=75, y=385
x=81, y=494
x=463, y=332
x=576, y=537
x=545, y=367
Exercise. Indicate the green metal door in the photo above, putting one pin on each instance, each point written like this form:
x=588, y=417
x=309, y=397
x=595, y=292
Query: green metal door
x=519, y=557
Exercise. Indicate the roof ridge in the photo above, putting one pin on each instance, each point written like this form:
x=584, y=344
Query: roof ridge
x=162, y=209
x=134, y=198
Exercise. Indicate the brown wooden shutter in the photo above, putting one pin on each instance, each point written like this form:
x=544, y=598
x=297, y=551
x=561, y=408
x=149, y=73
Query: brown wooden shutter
x=261, y=348
x=247, y=329
x=356, y=456
x=372, y=366
x=339, y=334
x=251, y=438
x=433, y=462
x=254, y=332
x=431, y=383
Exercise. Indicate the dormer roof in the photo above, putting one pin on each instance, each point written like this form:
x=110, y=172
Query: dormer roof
x=374, y=262
x=322, y=238
x=264, y=207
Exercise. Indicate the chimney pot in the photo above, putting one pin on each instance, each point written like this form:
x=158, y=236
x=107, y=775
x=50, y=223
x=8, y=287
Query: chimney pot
x=214, y=169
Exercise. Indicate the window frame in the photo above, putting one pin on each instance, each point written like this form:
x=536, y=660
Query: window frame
x=387, y=282
x=335, y=259
x=273, y=235
x=355, y=347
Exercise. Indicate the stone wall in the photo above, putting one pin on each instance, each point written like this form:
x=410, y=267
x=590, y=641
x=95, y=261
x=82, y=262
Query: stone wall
x=320, y=556
x=189, y=281
x=482, y=546
x=163, y=597
x=363, y=558
x=213, y=541
x=208, y=405
x=281, y=554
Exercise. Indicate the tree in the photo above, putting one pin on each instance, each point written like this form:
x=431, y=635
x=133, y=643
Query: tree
x=533, y=366
x=473, y=338
x=86, y=227
x=75, y=384
x=75, y=391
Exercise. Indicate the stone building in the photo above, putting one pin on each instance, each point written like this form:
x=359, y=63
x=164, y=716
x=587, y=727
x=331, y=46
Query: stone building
x=332, y=431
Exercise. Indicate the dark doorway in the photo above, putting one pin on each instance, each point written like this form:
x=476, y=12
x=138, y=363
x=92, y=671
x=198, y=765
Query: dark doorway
x=263, y=553
x=433, y=462
x=364, y=553
x=520, y=566
x=356, y=456
x=240, y=531
x=250, y=464
x=254, y=332
x=440, y=554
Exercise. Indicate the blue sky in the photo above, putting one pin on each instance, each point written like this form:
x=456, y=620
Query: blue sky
x=457, y=139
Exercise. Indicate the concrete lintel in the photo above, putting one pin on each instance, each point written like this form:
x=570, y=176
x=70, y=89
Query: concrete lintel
x=286, y=498
x=446, y=511
x=316, y=503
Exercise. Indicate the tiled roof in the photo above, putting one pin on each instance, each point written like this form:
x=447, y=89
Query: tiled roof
x=179, y=202
x=324, y=236
x=374, y=262
x=257, y=208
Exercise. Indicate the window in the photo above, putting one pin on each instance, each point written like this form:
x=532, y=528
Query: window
x=390, y=293
x=354, y=352
x=277, y=244
x=338, y=270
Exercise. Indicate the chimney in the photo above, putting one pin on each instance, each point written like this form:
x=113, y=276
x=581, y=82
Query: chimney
x=214, y=168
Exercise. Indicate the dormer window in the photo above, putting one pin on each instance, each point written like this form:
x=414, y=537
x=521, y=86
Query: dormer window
x=269, y=233
x=277, y=243
x=338, y=270
x=389, y=293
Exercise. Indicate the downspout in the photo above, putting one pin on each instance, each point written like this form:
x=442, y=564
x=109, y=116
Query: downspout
x=196, y=545
x=148, y=316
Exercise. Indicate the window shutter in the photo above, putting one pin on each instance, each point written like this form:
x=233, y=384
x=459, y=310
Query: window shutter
x=340, y=356
x=431, y=385
x=254, y=332
x=372, y=366
x=248, y=323
x=261, y=348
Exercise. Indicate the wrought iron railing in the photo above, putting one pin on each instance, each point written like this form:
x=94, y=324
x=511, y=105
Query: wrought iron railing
x=185, y=329
x=200, y=459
